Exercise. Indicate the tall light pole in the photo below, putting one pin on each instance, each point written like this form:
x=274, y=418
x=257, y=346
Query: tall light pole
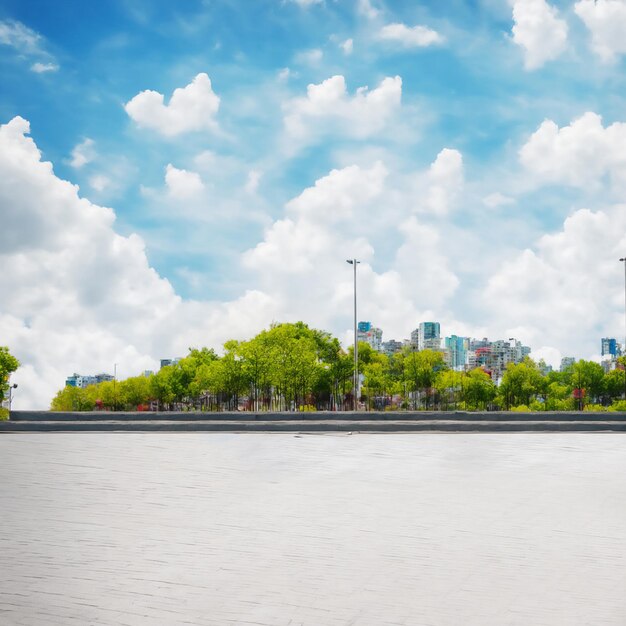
x=11, y=388
x=115, y=386
x=623, y=260
x=354, y=263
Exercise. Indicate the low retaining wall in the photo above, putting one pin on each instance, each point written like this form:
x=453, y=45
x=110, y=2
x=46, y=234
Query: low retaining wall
x=249, y=416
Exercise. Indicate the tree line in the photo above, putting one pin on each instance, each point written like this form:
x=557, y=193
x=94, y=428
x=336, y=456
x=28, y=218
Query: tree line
x=294, y=367
x=8, y=364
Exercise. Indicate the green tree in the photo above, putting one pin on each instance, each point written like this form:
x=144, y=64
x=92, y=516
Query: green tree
x=419, y=371
x=477, y=390
x=74, y=399
x=449, y=386
x=521, y=384
x=134, y=391
x=8, y=364
x=588, y=376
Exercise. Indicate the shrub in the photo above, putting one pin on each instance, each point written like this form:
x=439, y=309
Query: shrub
x=595, y=408
x=4, y=414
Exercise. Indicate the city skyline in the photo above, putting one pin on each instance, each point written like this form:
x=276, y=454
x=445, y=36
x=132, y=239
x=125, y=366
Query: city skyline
x=174, y=177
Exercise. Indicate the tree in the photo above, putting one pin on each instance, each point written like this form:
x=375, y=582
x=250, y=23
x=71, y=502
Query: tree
x=8, y=364
x=477, y=389
x=587, y=376
x=74, y=399
x=521, y=384
x=134, y=391
x=420, y=370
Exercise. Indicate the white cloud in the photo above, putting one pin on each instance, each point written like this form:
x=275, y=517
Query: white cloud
x=362, y=115
x=252, y=183
x=606, y=20
x=309, y=57
x=306, y=3
x=539, y=31
x=40, y=68
x=284, y=74
x=27, y=43
x=19, y=36
x=410, y=37
x=82, y=296
x=365, y=8
x=99, y=182
x=191, y=108
x=347, y=46
x=83, y=153
x=581, y=154
x=420, y=259
x=302, y=256
x=568, y=290
x=497, y=199
x=444, y=182
x=182, y=183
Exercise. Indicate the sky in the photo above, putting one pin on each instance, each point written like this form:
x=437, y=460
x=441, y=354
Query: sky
x=174, y=175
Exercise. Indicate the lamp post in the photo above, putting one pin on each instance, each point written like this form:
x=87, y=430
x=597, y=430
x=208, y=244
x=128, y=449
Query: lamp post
x=11, y=388
x=354, y=263
x=623, y=260
x=115, y=386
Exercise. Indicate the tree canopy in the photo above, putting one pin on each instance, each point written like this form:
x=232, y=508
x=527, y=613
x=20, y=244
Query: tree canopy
x=290, y=366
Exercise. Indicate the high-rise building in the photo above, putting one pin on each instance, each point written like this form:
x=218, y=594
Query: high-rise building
x=428, y=332
x=456, y=351
x=567, y=361
x=370, y=335
x=611, y=347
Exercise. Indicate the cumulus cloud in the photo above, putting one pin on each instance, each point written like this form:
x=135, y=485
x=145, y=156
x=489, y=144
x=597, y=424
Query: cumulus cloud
x=568, y=289
x=303, y=254
x=420, y=255
x=580, y=155
x=606, y=21
x=539, y=30
x=445, y=179
x=410, y=36
x=182, y=183
x=83, y=153
x=191, y=108
x=497, y=199
x=361, y=115
x=83, y=296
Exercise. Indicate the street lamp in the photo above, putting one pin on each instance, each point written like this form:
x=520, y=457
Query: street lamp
x=11, y=388
x=354, y=263
x=623, y=260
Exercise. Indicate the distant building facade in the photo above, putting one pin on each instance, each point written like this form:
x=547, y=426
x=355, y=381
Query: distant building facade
x=429, y=337
x=456, y=349
x=370, y=335
x=81, y=381
x=611, y=347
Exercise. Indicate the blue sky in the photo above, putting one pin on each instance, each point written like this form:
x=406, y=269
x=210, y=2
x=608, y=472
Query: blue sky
x=469, y=151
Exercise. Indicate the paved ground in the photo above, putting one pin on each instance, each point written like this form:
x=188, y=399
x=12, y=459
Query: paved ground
x=281, y=529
